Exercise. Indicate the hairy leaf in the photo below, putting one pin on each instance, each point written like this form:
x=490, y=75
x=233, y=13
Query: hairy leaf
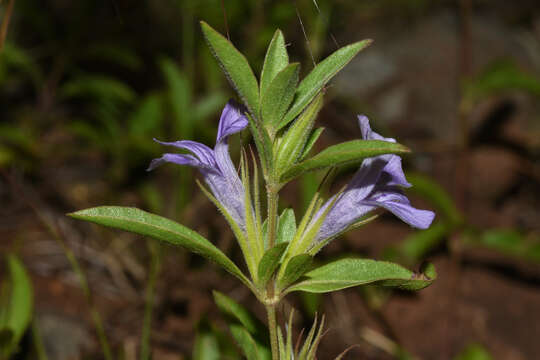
x=276, y=59
x=296, y=267
x=270, y=262
x=350, y=272
x=293, y=142
x=147, y=224
x=276, y=100
x=312, y=139
x=286, y=226
x=235, y=66
x=320, y=75
x=342, y=154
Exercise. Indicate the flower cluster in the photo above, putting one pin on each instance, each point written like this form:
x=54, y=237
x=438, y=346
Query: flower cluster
x=376, y=184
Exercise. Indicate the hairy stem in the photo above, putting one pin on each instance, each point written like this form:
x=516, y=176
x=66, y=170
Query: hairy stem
x=272, y=194
x=272, y=326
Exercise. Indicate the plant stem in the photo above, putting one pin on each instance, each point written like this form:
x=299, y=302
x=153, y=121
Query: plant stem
x=272, y=195
x=272, y=326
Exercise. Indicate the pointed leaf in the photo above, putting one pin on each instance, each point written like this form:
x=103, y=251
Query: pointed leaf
x=296, y=267
x=147, y=224
x=342, y=154
x=286, y=226
x=236, y=311
x=20, y=305
x=275, y=60
x=278, y=98
x=320, y=75
x=270, y=262
x=253, y=348
x=245, y=341
x=310, y=142
x=235, y=66
x=293, y=142
x=349, y=272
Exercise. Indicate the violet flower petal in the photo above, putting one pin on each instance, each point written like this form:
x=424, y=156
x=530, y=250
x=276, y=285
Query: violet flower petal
x=232, y=120
x=215, y=165
x=375, y=184
x=201, y=151
x=180, y=159
x=399, y=205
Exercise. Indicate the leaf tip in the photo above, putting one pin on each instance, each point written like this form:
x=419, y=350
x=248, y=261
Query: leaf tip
x=74, y=214
x=428, y=271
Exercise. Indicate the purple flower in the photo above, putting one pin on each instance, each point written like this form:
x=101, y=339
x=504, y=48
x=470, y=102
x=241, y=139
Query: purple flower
x=376, y=184
x=215, y=165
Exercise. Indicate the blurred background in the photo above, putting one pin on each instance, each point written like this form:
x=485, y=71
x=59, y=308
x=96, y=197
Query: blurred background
x=85, y=86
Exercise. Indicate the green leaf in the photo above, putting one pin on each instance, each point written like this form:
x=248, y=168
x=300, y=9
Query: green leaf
x=147, y=117
x=276, y=59
x=98, y=87
x=278, y=98
x=208, y=106
x=245, y=341
x=179, y=97
x=237, y=312
x=286, y=226
x=294, y=140
x=418, y=244
x=319, y=76
x=350, y=272
x=296, y=267
x=206, y=346
x=432, y=191
x=235, y=67
x=14, y=59
x=270, y=262
x=310, y=142
x=18, y=312
x=252, y=349
x=474, y=352
x=343, y=154
x=509, y=242
x=147, y=224
x=499, y=77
